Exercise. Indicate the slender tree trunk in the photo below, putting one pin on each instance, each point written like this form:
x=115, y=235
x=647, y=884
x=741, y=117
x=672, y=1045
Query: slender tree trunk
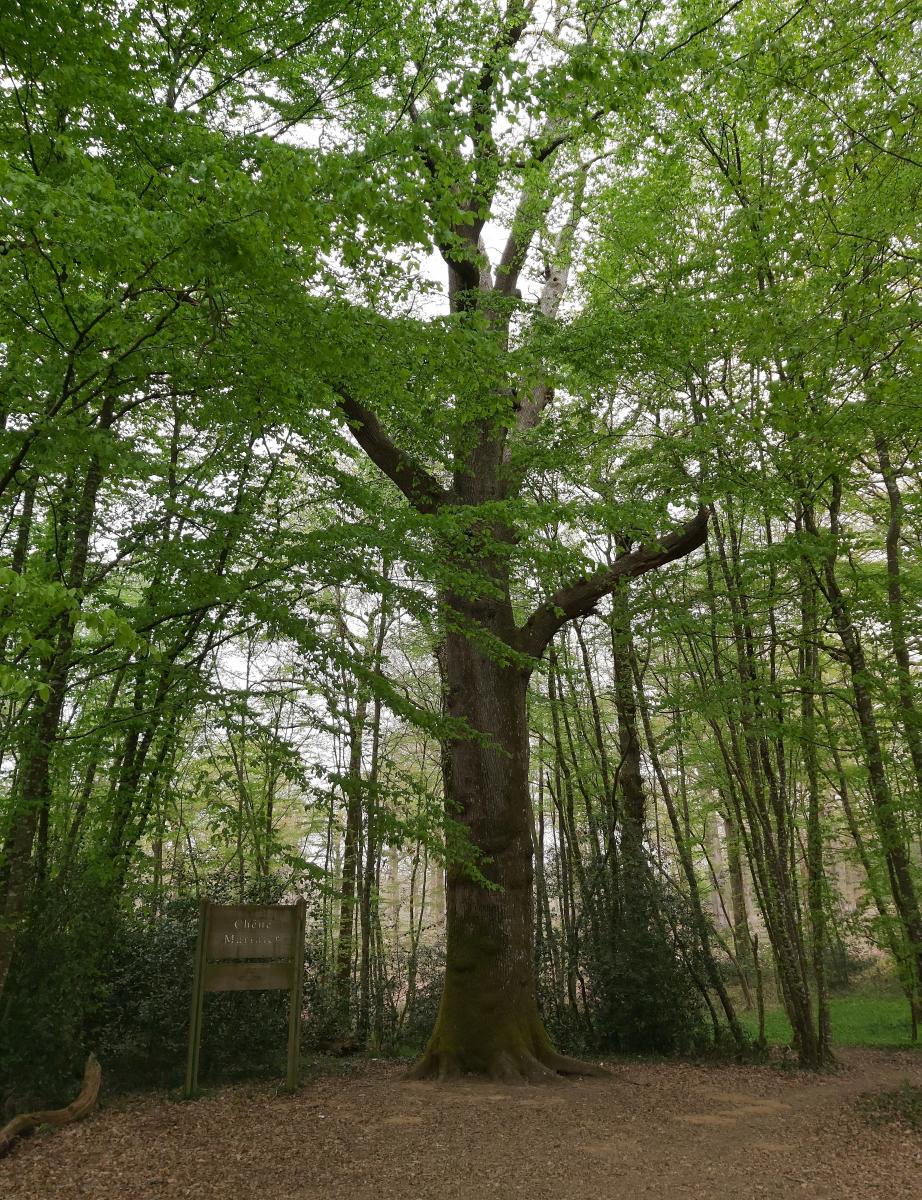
x=909, y=712
x=816, y=899
x=42, y=731
x=349, y=880
x=896, y=856
x=368, y=913
x=688, y=867
x=630, y=776
x=893, y=930
x=742, y=938
x=760, y=790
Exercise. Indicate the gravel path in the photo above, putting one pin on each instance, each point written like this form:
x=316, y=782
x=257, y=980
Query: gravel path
x=665, y=1130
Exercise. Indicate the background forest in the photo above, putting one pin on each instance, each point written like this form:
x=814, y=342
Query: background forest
x=223, y=238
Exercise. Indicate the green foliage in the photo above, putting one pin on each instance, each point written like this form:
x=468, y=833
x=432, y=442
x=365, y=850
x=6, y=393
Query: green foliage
x=56, y=981
x=645, y=973
x=118, y=983
x=642, y=975
x=409, y=1031
x=140, y=1028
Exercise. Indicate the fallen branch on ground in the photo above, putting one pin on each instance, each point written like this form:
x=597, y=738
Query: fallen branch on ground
x=75, y=1111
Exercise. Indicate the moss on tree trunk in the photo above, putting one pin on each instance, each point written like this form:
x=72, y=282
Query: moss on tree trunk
x=488, y=1021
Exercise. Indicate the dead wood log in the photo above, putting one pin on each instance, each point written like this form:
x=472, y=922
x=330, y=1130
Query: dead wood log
x=75, y=1111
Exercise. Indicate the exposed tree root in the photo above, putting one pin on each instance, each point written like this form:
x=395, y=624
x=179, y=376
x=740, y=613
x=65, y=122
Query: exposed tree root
x=563, y=1064
x=75, y=1111
x=542, y=1064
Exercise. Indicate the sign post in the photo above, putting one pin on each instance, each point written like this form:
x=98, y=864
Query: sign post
x=244, y=947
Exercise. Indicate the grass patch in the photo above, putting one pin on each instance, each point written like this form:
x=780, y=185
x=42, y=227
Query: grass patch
x=857, y=1020
x=901, y=1106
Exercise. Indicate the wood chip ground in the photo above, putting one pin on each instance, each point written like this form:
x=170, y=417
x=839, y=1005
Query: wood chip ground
x=647, y=1131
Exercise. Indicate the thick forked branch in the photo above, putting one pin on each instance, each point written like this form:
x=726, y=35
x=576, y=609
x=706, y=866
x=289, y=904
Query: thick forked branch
x=531, y=405
x=533, y=205
x=580, y=598
x=424, y=492
x=462, y=251
x=515, y=22
x=518, y=14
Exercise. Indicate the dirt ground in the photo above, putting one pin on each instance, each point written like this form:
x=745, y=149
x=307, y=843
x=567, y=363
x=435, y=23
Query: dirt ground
x=648, y=1130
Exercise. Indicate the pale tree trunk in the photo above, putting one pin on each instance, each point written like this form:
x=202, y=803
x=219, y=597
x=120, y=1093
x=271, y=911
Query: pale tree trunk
x=742, y=937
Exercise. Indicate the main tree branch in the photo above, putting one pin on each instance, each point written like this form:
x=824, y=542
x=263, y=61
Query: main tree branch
x=580, y=598
x=423, y=491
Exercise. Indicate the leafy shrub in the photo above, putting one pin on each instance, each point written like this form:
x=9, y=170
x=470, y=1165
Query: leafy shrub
x=640, y=974
x=646, y=971
x=141, y=1028
x=88, y=976
x=55, y=980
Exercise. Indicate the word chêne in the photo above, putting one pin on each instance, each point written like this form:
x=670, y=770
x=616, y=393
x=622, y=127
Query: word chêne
x=254, y=933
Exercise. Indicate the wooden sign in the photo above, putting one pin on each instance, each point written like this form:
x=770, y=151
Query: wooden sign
x=240, y=931
x=244, y=947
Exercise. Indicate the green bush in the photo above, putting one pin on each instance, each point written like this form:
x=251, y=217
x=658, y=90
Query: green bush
x=140, y=1030
x=56, y=979
x=640, y=970
x=87, y=976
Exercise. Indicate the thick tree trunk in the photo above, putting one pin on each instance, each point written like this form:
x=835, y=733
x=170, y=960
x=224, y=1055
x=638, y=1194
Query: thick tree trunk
x=488, y=1021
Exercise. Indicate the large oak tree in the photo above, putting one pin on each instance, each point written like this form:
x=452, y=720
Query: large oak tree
x=500, y=113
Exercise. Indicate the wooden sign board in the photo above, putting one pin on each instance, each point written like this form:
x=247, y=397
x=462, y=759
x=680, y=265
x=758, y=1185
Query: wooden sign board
x=241, y=931
x=244, y=947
